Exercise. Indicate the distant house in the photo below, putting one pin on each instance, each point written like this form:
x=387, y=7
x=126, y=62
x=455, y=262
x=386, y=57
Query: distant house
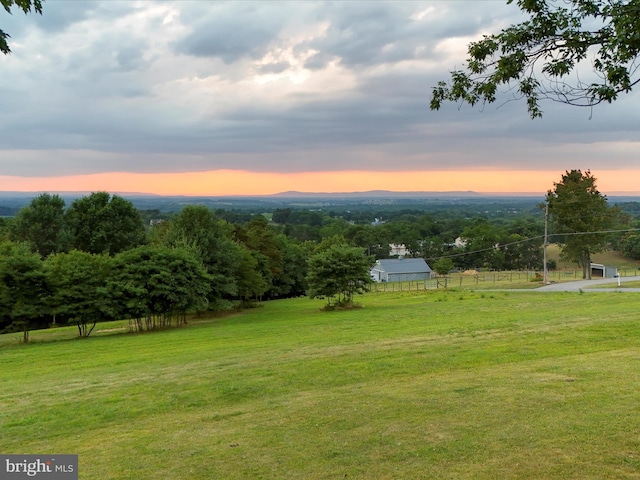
x=401, y=269
x=398, y=249
x=459, y=242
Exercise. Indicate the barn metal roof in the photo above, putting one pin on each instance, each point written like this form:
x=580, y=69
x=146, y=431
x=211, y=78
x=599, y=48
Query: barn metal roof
x=402, y=265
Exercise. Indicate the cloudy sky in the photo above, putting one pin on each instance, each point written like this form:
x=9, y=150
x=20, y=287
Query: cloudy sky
x=218, y=98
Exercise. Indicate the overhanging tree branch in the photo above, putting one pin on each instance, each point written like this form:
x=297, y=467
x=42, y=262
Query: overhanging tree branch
x=26, y=6
x=534, y=59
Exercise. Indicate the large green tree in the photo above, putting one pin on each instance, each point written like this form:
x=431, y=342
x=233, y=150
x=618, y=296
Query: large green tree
x=154, y=286
x=102, y=223
x=249, y=279
x=291, y=280
x=523, y=245
x=579, y=214
x=23, y=288
x=631, y=245
x=280, y=260
x=259, y=237
x=78, y=288
x=443, y=266
x=482, y=245
x=26, y=6
x=337, y=273
x=41, y=225
x=541, y=58
x=197, y=228
x=522, y=252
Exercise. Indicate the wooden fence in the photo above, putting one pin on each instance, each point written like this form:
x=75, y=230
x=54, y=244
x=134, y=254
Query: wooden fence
x=486, y=279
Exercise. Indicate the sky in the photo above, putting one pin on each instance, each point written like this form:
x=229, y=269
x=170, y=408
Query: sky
x=254, y=98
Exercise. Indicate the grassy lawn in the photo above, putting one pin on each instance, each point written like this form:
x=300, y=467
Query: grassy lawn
x=423, y=384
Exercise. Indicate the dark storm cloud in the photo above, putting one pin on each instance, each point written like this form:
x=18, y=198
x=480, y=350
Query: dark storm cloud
x=232, y=30
x=60, y=15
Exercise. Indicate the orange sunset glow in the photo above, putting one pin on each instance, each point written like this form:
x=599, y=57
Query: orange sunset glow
x=237, y=182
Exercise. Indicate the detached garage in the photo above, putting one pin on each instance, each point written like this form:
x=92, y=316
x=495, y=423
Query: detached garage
x=599, y=270
x=400, y=270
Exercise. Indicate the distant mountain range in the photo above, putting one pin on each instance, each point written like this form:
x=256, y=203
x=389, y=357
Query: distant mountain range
x=327, y=195
x=291, y=194
x=387, y=193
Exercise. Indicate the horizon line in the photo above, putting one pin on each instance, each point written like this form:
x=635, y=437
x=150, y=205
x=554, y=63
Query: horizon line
x=297, y=193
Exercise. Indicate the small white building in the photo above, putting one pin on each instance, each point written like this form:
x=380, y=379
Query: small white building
x=398, y=250
x=459, y=242
x=603, y=271
x=400, y=270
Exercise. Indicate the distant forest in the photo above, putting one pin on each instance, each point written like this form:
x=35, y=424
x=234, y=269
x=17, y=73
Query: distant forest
x=83, y=259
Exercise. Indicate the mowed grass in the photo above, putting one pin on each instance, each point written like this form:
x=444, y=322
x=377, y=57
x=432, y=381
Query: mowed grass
x=426, y=384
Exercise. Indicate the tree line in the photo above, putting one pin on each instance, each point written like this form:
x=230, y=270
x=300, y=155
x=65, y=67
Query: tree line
x=95, y=260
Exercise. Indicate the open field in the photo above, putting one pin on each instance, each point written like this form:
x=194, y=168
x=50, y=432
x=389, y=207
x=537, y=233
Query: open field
x=429, y=384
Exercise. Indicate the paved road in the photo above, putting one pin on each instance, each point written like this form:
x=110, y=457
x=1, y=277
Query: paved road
x=588, y=285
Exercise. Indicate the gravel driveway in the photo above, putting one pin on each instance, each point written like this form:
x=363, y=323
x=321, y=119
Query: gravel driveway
x=588, y=284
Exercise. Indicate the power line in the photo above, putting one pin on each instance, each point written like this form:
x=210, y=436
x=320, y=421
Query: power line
x=598, y=232
x=498, y=246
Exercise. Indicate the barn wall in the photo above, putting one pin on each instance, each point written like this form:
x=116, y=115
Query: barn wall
x=405, y=277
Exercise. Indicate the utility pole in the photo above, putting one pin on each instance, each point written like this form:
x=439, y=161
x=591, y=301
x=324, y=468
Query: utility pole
x=545, y=276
